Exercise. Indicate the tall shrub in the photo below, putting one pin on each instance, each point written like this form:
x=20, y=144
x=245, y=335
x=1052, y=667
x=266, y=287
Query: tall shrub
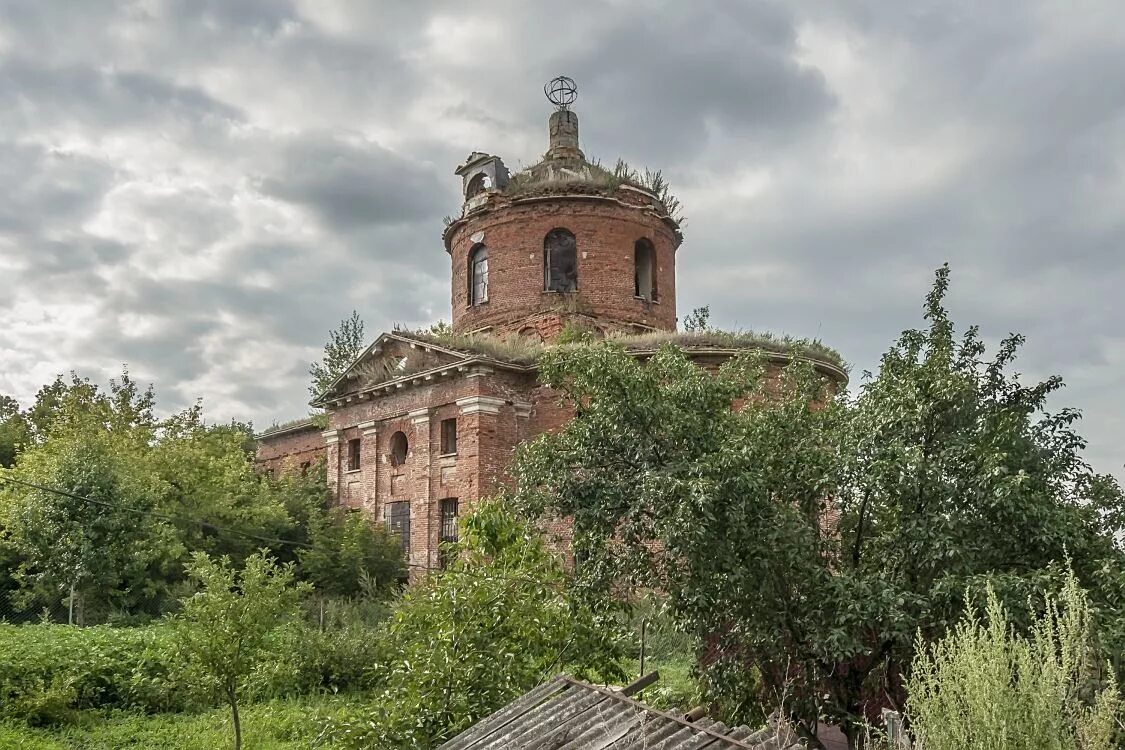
x=463, y=643
x=984, y=687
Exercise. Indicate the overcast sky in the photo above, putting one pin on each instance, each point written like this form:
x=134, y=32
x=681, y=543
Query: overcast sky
x=203, y=188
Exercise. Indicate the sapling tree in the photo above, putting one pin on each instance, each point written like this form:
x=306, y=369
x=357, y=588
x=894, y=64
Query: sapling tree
x=224, y=628
x=345, y=343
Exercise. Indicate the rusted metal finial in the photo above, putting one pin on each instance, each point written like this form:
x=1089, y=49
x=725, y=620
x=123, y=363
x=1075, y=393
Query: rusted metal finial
x=561, y=91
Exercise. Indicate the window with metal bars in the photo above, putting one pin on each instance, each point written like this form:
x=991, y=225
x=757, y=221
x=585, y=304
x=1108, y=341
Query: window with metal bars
x=397, y=518
x=448, y=512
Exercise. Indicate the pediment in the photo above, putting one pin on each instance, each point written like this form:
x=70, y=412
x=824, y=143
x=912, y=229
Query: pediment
x=392, y=356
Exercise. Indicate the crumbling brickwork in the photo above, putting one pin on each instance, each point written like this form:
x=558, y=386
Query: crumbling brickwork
x=605, y=229
x=622, y=243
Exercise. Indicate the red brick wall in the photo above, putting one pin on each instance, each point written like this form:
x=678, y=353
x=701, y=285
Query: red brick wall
x=491, y=413
x=605, y=230
x=290, y=450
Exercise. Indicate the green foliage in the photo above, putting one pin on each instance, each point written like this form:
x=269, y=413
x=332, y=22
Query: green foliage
x=572, y=333
x=698, y=320
x=713, y=338
x=275, y=725
x=439, y=329
x=225, y=628
x=103, y=549
x=15, y=432
x=462, y=643
x=805, y=537
x=49, y=671
x=348, y=552
x=983, y=687
x=161, y=489
x=345, y=343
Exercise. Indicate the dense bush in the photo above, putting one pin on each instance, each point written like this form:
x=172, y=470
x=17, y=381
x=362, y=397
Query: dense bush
x=46, y=671
x=49, y=671
x=464, y=642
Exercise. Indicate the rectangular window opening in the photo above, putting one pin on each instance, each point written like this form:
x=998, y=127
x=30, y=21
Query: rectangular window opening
x=353, y=455
x=449, y=436
x=448, y=513
x=397, y=518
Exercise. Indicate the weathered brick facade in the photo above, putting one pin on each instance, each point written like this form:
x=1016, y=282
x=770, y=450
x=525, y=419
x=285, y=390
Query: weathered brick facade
x=623, y=243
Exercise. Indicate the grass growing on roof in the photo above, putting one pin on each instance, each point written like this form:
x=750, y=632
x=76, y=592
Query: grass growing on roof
x=313, y=420
x=520, y=350
x=717, y=339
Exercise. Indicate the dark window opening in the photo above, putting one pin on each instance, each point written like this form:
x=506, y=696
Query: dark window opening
x=448, y=513
x=448, y=436
x=399, y=448
x=478, y=275
x=644, y=265
x=353, y=455
x=305, y=466
x=397, y=518
x=560, y=261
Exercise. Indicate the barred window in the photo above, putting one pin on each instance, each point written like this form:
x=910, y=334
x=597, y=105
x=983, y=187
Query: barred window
x=448, y=513
x=397, y=518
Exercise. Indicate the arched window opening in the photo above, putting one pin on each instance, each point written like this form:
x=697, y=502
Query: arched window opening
x=478, y=185
x=399, y=448
x=644, y=270
x=560, y=261
x=478, y=275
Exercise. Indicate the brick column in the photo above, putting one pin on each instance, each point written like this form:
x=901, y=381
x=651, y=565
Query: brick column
x=422, y=550
x=332, y=441
x=369, y=464
x=479, y=418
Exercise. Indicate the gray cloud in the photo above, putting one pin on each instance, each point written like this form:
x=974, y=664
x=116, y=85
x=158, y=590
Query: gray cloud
x=351, y=185
x=203, y=189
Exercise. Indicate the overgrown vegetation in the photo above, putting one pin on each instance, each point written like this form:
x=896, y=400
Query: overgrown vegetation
x=524, y=351
x=225, y=628
x=808, y=546
x=345, y=343
x=291, y=724
x=986, y=687
x=581, y=176
x=461, y=644
x=106, y=503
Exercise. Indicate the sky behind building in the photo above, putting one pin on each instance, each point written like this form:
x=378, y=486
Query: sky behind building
x=202, y=188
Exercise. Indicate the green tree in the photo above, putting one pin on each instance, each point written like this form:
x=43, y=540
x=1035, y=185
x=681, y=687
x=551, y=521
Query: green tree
x=345, y=343
x=698, y=320
x=95, y=545
x=15, y=433
x=225, y=627
x=984, y=686
x=346, y=550
x=464, y=642
x=808, y=535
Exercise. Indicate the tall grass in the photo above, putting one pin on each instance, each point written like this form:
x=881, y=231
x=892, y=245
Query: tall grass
x=985, y=687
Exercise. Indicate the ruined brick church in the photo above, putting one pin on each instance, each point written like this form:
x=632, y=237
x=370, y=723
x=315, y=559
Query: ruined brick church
x=422, y=425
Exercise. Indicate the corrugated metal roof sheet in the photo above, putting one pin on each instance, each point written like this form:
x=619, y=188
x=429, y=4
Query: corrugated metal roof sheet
x=565, y=714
